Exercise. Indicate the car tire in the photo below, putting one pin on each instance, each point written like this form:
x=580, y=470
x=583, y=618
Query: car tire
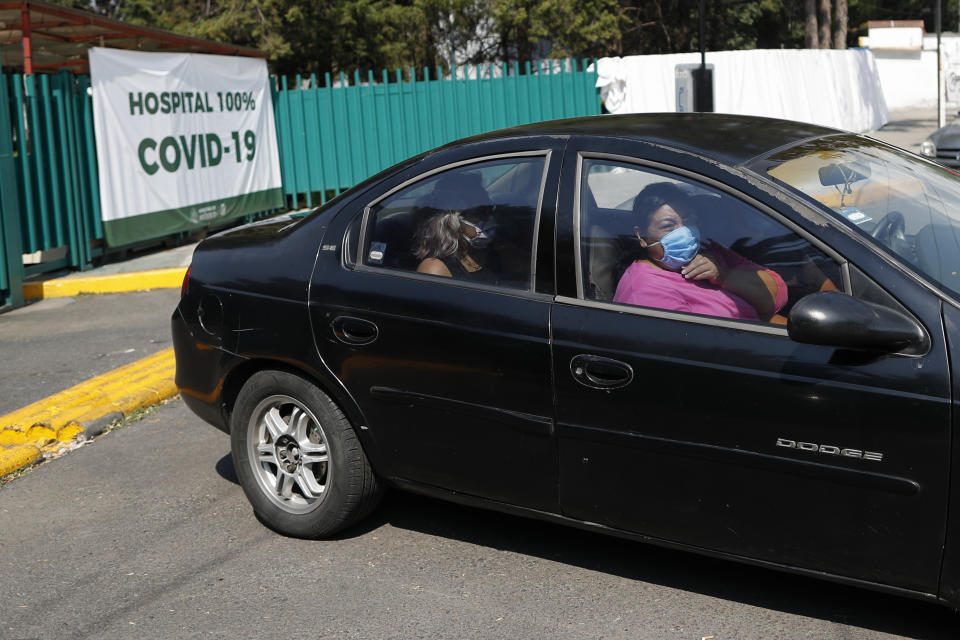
x=298, y=458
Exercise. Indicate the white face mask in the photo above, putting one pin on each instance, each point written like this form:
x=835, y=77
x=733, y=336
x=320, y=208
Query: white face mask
x=483, y=234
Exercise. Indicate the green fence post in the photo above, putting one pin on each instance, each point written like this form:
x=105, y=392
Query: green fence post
x=39, y=217
x=90, y=148
x=387, y=138
x=330, y=124
x=287, y=168
x=25, y=180
x=313, y=122
x=61, y=160
x=56, y=180
x=71, y=160
x=11, y=247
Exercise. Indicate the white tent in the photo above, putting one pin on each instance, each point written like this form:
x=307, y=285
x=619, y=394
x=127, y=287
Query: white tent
x=834, y=88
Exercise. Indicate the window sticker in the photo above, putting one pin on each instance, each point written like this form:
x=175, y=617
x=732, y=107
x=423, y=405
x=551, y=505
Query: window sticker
x=854, y=215
x=377, y=251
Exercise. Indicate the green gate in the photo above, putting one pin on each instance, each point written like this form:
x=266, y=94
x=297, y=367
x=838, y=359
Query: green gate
x=330, y=138
x=50, y=204
x=11, y=265
x=333, y=137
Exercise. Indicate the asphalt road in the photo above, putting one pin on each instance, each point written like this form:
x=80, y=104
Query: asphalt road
x=145, y=533
x=54, y=344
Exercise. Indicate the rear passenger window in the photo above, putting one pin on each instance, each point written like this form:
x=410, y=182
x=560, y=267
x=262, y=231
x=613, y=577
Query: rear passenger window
x=471, y=223
x=651, y=239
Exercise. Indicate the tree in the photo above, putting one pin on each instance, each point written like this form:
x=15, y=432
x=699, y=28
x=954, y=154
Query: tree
x=821, y=31
x=840, y=25
x=530, y=29
x=811, y=32
x=823, y=17
x=304, y=36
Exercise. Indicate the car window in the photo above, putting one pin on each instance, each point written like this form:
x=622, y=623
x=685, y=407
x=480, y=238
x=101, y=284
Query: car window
x=908, y=205
x=471, y=223
x=731, y=260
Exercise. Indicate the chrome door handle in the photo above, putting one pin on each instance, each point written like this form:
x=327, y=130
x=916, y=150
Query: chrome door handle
x=599, y=372
x=354, y=331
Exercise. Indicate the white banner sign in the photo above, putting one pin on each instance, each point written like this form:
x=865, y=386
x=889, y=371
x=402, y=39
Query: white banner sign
x=183, y=141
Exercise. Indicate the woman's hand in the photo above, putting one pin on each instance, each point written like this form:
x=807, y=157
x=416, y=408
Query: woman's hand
x=701, y=268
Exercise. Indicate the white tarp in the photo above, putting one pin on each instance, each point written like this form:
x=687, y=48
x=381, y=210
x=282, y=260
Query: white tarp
x=183, y=141
x=833, y=88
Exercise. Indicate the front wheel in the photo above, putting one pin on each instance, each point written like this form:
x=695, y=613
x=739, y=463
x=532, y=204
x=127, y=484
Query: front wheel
x=297, y=457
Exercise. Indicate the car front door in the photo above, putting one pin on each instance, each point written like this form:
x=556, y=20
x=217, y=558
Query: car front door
x=722, y=434
x=451, y=370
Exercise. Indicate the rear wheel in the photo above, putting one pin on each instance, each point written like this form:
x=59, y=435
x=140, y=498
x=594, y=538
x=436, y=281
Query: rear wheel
x=298, y=458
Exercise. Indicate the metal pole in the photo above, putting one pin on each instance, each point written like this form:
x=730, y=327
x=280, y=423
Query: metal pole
x=703, y=35
x=702, y=77
x=941, y=106
x=27, y=47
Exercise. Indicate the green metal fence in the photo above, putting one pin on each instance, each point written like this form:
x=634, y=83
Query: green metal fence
x=49, y=126
x=334, y=136
x=60, y=201
x=11, y=265
x=50, y=204
x=330, y=138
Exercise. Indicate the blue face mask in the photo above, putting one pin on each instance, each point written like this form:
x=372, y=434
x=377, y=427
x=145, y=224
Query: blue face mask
x=680, y=246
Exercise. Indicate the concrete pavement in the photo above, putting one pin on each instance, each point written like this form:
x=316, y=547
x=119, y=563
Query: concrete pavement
x=908, y=128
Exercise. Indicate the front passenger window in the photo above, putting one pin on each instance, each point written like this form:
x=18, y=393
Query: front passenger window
x=472, y=223
x=650, y=239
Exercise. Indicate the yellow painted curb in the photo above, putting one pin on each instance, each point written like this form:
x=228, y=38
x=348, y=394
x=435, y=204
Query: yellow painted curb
x=60, y=418
x=17, y=457
x=170, y=278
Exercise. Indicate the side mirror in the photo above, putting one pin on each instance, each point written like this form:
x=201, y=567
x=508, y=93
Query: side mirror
x=834, y=319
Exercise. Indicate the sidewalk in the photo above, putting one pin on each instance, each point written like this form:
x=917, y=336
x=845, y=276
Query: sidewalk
x=157, y=270
x=908, y=128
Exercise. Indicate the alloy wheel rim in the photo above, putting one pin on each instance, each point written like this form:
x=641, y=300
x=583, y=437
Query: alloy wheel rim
x=289, y=454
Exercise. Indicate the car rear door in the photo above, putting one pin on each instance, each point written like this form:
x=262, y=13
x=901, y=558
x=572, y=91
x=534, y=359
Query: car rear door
x=723, y=434
x=452, y=375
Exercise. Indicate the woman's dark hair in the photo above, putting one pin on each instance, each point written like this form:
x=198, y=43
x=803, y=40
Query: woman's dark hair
x=656, y=195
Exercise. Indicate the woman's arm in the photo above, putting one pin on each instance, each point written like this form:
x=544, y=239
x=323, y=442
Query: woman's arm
x=764, y=289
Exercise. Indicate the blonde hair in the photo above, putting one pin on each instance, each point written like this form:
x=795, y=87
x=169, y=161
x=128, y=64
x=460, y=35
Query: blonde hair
x=438, y=236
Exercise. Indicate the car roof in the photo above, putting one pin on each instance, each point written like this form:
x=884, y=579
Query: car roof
x=730, y=139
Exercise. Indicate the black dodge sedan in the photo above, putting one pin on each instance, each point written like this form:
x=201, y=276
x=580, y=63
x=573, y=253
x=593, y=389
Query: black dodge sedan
x=725, y=334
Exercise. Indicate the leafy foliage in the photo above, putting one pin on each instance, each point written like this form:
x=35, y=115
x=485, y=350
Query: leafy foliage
x=306, y=37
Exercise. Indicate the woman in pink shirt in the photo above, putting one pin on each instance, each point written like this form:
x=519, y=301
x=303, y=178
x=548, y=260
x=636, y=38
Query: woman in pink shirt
x=681, y=274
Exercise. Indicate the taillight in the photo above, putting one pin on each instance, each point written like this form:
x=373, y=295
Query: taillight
x=186, y=281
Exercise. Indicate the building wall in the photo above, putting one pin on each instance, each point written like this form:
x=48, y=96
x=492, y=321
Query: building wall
x=908, y=77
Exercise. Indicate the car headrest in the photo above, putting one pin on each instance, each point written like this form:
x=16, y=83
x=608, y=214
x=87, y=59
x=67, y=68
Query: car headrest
x=458, y=191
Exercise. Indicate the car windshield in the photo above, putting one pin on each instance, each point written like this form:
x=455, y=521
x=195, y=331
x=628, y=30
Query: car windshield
x=908, y=205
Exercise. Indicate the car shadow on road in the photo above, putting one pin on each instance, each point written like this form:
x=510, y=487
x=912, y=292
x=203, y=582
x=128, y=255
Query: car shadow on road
x=691, y=572
x=225, y=469
x=631, y=560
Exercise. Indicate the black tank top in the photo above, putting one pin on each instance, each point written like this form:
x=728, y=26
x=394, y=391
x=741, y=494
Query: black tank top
x=458, y=271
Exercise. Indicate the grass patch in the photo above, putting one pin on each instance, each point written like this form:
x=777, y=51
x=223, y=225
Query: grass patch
x=19, y=473
x=136, y=415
